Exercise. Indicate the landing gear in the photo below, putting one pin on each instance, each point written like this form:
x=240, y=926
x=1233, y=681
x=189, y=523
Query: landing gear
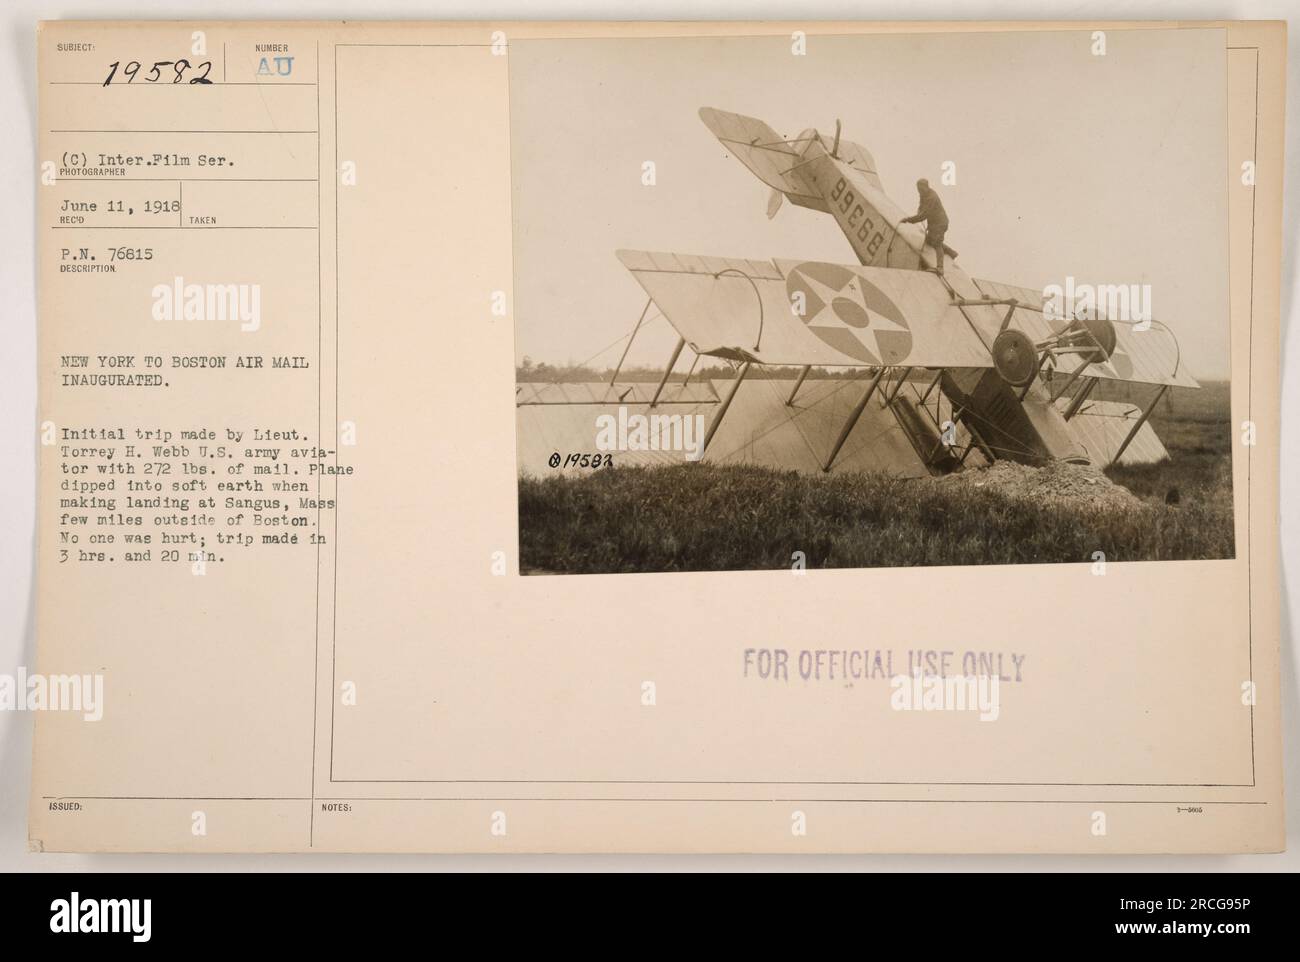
x=1014, y=357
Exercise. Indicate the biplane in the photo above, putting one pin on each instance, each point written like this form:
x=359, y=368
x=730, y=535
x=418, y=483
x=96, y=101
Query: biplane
x=920, y=372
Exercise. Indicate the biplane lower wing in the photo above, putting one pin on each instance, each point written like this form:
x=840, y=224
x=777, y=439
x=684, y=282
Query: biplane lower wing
x=808, y=313
x=780, y=423
x=1103, y=427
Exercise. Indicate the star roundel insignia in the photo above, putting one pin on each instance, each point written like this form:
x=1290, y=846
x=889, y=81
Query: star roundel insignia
x=850, y=313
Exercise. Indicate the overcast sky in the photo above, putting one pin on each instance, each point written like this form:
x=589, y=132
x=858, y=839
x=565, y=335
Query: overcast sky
x=1110, y=169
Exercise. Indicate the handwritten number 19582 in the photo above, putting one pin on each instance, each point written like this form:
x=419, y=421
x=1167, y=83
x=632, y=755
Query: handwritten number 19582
x=156, y=73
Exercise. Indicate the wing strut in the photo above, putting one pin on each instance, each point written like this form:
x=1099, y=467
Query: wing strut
x=644, y=311
x=1080, y=396
x=933, y=385
x=1142, y=419
x=1069, y=383
x=853, y=418
x=798, y=384
x=722, y=408
x=902, y=379
x=677, y=352
x=691, y=371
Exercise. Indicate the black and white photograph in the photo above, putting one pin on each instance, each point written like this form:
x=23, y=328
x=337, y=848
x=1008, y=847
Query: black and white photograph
x=824, y=307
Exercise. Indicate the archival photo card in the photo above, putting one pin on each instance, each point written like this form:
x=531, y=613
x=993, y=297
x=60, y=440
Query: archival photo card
x=657, y=437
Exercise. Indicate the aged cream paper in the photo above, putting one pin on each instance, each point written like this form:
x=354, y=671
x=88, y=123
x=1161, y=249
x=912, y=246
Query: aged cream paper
x=292, y=279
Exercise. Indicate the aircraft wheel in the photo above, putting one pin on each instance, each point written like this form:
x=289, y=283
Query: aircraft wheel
x=1103, y=332
x=1014, y=357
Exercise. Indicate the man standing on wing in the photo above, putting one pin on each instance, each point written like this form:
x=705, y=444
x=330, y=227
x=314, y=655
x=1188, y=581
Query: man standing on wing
x=931, y=211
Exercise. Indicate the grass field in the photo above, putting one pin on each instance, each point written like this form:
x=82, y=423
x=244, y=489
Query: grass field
x=694, y=517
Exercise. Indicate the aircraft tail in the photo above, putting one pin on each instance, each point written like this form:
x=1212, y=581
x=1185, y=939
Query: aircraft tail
x=788, y=166
x=828, y=174
x=774, y=160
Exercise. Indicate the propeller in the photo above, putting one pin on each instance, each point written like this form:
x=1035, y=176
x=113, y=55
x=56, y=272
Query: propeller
x=774, y=203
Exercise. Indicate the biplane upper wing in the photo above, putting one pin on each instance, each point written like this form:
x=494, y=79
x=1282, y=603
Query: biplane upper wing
x=1148, y=356
x=772, y=159
x=808, y=312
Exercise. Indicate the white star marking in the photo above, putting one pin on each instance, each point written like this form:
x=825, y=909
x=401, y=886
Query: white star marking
x=828, y=320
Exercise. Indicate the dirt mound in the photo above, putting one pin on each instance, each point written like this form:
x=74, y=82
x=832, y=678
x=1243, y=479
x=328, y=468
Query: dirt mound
x=1055, y=482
